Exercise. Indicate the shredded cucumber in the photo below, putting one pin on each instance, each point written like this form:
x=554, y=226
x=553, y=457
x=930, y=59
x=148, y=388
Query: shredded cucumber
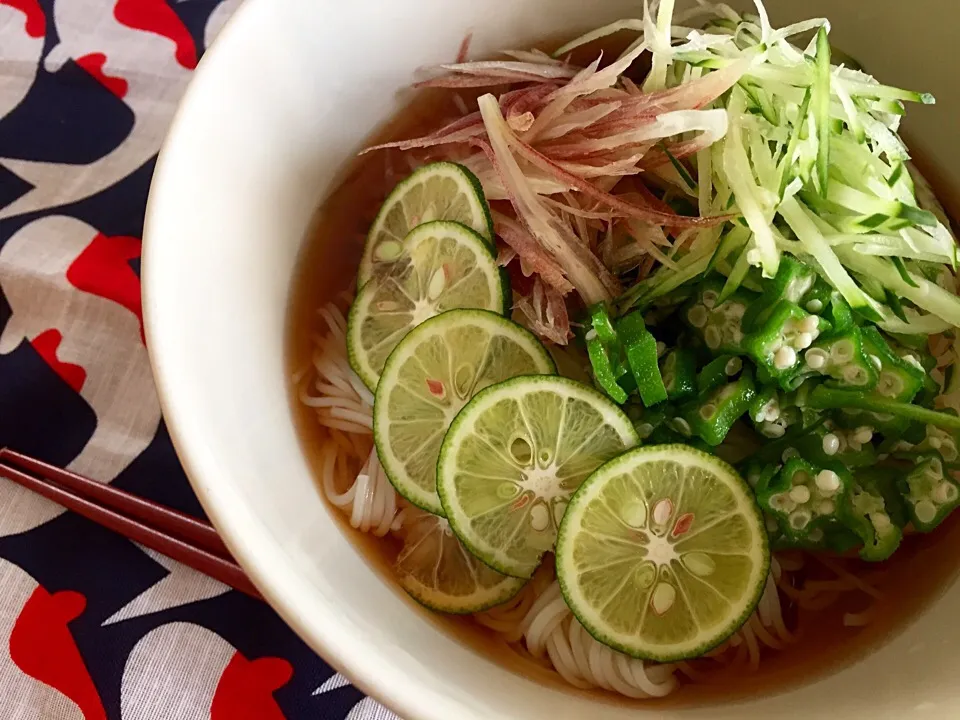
x=811, y=165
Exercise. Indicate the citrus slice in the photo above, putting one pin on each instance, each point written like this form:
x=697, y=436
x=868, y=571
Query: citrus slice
x=438, y=571
x=662, y=553
x=430, y=376
x=513, y=457
x=439, y=191
x=444, y=265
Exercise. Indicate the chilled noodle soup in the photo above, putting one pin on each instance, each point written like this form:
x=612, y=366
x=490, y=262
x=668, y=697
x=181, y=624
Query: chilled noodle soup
x=637, y=375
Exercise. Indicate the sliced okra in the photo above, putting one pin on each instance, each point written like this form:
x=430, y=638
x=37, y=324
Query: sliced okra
x=897, y=378
x=805, y=499
x=874, y=515
x=777, y=346
x=840, y=356
x=792, y=282
x=931, y=493
x=829, y=444
x=711, y=417
x=678, y=368
x=720, y=325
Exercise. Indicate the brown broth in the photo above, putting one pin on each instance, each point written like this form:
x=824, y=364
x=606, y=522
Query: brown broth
x=327, y=266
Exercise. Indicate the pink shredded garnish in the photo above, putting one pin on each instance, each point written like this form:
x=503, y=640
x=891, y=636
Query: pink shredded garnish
x=545, y=313
x=464, y=50
x=458, y=80
x=505, y=256
x=567, y=147
x=583, y=269
x=531, y=252
x=540, y=70
x=625, y=209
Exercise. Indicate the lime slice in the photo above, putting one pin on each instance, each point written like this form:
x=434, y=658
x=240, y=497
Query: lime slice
x=444, y=266
x=662, y=553
x=439, y=191
x=430, y=376
x=439, y=572
x=513, y=457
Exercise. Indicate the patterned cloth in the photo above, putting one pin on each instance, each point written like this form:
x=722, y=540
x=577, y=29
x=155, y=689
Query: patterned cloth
x=91, y=625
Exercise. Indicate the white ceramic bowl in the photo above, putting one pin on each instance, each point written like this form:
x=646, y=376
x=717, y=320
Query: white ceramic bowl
x=283, y=100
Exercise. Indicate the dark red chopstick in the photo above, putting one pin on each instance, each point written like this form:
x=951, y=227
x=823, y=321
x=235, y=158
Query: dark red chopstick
x=171, y=533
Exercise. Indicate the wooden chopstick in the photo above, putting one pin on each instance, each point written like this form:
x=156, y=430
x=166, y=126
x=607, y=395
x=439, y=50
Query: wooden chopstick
x=171, y=533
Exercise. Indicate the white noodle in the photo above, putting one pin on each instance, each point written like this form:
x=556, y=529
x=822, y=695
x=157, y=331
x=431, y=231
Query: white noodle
x=344, y=404
x=538, y=617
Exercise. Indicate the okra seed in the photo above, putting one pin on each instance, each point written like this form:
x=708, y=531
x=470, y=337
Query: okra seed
x=876, y=362
x=889, y=385
x=772, y=430
x=681, y=426
x=936, y=466
x=803, y=341
x=881, y=521
x=772, y=413
x=661, y=348
x=712, y=337
x=842, y=351
x=816, y=535
x=828, y=481
x=733, y=366
x=943, y=492
x=710, y=298
x=707, y=411
x=830, y=444
x=697, y=316
x=785, y=357
x=948, y=450
x=734, y=311
x=800, y=494
x=644, y=430
x=799, y=520
x=854, y=375
x=864, y=434
x=591, y=334
x=816, y=358
x=815, y=306
x=826, y=507
x=809, y=324
x=913, y=360
x=791, y=453
x=925, y=511
x=935, y=443
x=951, y=492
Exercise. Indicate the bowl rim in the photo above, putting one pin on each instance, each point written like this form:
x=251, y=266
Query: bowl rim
x=313, y=635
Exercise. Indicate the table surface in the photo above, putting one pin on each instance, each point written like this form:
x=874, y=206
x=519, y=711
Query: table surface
x=91, y=625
